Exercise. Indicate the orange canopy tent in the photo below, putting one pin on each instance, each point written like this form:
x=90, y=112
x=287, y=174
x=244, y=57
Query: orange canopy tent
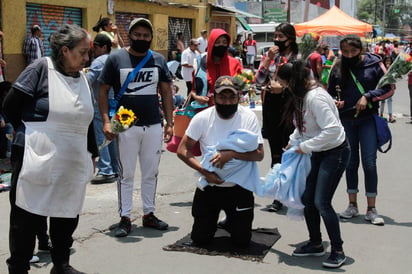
x=334, y=22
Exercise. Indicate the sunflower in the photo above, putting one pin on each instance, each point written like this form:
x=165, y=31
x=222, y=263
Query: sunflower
x=126, y=117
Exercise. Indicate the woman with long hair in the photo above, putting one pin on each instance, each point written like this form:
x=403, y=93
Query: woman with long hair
x=353, y=71
x=274, y=97
x=319, y=132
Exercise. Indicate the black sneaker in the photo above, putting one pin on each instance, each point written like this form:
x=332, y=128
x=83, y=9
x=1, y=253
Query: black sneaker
x=124, y=227
x=103, y=179
x=150, y=220
x=309, y=249
x=335, y=260
x=65, y=269
x=275, y=206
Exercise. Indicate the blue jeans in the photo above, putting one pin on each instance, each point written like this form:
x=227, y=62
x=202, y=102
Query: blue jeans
x=362, y=134
x=326, y=171
x=108, y=159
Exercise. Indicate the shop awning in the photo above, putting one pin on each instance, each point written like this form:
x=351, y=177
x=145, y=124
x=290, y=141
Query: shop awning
x=243, y=23
x=234, y=10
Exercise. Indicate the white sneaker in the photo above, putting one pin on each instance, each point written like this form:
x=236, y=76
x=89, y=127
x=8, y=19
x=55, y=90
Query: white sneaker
x=34, y=259
x=350, y=212
x=373, y=217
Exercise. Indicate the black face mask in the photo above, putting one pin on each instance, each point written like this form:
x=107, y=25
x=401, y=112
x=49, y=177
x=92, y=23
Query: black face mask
x=140, y=46
x=350, y=62
x=226, y=111
x=219, y=51
x=280, y=44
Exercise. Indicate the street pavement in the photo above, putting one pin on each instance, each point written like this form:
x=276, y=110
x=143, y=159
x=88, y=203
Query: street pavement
x=369, y=248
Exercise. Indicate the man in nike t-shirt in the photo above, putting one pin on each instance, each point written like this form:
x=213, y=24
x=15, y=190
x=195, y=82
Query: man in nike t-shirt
x=143, y=141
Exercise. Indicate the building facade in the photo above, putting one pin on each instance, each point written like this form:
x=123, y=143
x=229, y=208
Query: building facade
x=168, y=18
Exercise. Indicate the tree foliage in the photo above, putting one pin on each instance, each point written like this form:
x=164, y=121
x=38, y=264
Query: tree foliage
x=390, y=15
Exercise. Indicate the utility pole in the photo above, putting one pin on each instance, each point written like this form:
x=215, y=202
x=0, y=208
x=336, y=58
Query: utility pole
x=306, y=14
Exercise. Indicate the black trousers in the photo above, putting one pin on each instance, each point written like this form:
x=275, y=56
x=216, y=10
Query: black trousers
x=236, y=202
x=25, y=225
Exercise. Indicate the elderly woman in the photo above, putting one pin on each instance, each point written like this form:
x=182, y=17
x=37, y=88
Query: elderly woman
x=50, y=106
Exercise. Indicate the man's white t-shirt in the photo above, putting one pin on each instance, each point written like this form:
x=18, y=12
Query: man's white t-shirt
x=188, y=57
x=202, y=44
x=208, y=128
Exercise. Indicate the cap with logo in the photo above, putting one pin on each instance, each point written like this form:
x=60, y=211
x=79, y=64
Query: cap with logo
x=141, y=22
x=227, y=83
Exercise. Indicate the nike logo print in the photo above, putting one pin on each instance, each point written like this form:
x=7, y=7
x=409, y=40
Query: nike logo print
x=243, y=209
x=138, y=88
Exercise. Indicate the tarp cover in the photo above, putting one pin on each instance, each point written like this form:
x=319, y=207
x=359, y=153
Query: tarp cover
x=334, y=22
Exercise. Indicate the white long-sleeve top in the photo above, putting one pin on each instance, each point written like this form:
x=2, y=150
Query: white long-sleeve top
x=322, y=129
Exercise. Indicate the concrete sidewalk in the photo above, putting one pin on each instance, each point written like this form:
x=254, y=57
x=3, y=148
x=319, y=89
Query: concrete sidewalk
x=369, y=248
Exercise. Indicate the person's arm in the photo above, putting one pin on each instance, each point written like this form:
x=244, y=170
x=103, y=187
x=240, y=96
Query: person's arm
x=104, y=110
x=224, y=156
x=117, y=40
x=13, y=106
x=167, y=103
x=91, y=142
x=184, y=152
x=94, y=71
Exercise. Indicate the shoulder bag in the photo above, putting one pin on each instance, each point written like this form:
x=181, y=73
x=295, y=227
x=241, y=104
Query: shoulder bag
x=114, y=102
x=383, y=132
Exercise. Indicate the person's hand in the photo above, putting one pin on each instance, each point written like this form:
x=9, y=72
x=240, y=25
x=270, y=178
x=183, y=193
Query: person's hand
x=271, y=53
x=361, y=104
x=213, y=178
x=2, y=123
x=167, y=133
x=115, y=29
x=108, y=132
x=221, y=158
x=202, y=99
x=339, y=104
x=299, y=150
x=2, y=62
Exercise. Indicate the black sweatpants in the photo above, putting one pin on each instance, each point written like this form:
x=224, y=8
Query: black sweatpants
x=236, y=202
x=24, y=226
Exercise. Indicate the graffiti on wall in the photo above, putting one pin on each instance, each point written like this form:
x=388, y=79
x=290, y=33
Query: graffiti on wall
x=51, y=18
x=161, y=39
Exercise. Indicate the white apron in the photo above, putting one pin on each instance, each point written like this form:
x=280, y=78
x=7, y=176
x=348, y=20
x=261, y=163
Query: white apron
x=56, y=164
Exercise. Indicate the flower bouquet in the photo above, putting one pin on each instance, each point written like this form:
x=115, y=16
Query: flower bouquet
x=245, y=79
x=121, y=121
x=400, y=66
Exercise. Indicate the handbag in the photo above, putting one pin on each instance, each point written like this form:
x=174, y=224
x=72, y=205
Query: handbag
x=383, y=132
x=181, y=120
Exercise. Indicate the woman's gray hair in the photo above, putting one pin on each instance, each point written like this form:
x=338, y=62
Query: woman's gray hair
x=69, y=36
